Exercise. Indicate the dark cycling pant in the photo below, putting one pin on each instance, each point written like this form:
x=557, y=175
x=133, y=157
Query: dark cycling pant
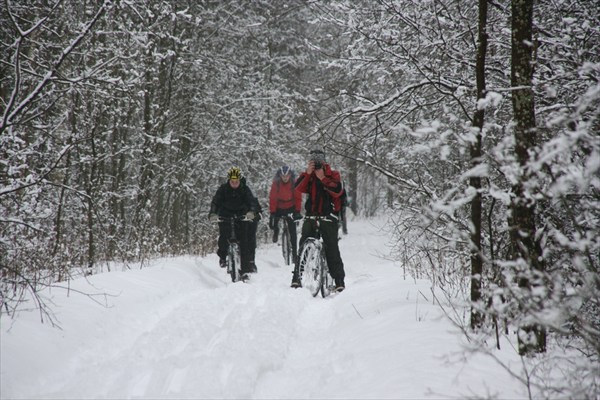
x=241, y=233
x=329, y=233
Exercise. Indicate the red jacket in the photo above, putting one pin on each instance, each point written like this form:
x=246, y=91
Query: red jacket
x=283, y=197
x=324, y=196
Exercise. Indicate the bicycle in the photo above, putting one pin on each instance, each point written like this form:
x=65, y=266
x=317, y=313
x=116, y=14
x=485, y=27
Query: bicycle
x=234, y=257
x=313, y=269
x=286, y=240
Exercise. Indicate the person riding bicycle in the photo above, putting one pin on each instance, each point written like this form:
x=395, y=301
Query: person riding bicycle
x=324, y=188
x=284, y=200
x=233, y=198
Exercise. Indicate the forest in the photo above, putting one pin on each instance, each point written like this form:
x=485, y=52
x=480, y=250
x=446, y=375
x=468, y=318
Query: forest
x=474, y=126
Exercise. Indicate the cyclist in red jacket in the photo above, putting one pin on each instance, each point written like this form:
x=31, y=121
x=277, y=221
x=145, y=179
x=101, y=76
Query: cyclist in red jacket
x=324, y=188
x=284, y=200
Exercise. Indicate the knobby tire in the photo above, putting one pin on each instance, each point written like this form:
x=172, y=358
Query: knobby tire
x=311, y=263
x=234, y=261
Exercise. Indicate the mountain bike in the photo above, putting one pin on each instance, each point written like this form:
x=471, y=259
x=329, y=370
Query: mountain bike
x=313, y=269
x=286, y=240
x=234, y=255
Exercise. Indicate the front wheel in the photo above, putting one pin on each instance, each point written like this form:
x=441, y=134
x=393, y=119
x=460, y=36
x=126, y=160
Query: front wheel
x=234, y=262
x=311, y=265
x=286, y=245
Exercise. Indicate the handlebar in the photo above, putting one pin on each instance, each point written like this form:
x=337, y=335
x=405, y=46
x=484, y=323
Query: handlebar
x=328, y=218
x=234, y=218
x=289, y=216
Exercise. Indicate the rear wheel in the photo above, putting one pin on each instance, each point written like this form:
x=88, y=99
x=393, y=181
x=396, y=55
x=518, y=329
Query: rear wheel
x=234, y=261
x=310, y=266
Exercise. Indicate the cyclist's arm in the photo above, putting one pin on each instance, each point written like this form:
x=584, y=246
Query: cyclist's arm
x=333, y=184
x=215, y=204
x=297, y=200
x=301, y=184
x=251, y=201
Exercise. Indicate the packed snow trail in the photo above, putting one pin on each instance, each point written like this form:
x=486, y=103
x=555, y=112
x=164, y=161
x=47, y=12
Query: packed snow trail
x=181, y=329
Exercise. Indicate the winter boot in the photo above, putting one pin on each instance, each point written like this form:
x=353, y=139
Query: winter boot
x=295, y=281
x=252, y=267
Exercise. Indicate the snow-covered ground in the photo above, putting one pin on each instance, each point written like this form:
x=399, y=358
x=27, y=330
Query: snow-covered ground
x=181, y=329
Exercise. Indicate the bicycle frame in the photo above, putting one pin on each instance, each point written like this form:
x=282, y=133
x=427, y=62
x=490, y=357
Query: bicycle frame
x=234, y=258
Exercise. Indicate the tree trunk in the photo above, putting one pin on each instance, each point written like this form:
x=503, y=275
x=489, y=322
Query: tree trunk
x=352, y=183
x=475, y=181
x=532, y=338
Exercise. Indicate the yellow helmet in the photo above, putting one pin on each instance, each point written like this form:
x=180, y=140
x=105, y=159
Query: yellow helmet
x=234, y=173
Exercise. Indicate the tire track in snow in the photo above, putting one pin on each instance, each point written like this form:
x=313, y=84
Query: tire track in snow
x=213, y=342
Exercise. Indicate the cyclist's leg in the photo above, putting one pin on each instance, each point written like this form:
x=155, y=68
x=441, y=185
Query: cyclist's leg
x=329, y=233
x=223, y=244
x=309, y=228
x=293, y=237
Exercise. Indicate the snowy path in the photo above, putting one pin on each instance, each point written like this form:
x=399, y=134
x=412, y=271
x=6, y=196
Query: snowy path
x=180, y=329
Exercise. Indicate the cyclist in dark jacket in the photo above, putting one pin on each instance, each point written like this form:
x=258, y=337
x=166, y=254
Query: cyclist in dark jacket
x=324, y=188
x=233, y=198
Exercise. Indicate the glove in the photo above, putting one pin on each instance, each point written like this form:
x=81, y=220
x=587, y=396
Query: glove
x=272, y=221
x=250, y=215
x=297, y=216
x=212, y=218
